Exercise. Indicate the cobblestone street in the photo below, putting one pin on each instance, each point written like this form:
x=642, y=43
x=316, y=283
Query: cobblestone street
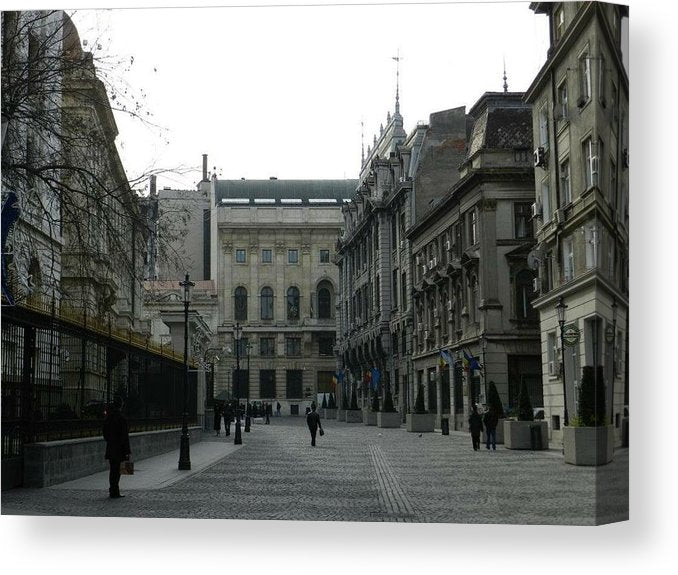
x=360, y=473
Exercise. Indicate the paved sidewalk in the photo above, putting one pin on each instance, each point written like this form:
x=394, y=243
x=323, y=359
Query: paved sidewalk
x=162, y=470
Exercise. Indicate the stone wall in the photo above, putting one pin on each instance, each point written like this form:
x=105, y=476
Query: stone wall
x=52, y=462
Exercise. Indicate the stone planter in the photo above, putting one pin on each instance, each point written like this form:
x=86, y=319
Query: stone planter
x=369, y=417
x=500, y=433
x=341, y=415
x=354, y=416
x=588, y=445
x=518, y=434
x=421, y=422
x=388, y=419
x=330, y=413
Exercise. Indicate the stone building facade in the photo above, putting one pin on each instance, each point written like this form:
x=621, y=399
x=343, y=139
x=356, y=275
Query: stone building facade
x=472, y=287
x=272, y=251
x=580, y=125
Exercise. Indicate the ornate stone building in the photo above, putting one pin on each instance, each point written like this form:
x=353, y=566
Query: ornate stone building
x=472, y=287
x=272, y=251
x=581, y=139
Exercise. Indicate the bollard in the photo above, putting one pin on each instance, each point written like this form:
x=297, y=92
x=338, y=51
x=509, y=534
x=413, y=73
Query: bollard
x=445, y=425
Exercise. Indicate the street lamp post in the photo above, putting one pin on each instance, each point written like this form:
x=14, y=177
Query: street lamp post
x=184, y=449
x=247, y=405
x=238, y=432
x=483, y=344
x=614, y=351
x=560, y=309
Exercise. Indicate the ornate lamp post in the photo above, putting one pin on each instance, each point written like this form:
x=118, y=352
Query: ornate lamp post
x=238, y=432
x=560, y=309
x=614, y=351
x=483, y=345
x=247, y=405
x=184, y=450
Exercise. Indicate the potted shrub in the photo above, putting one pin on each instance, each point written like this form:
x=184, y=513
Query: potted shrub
x=388, y=416
x=370, y=414
x=494, y=402
x=331, y=409
x=589, y=438
x=420, y=421
x=525, y=433
x=353, y=413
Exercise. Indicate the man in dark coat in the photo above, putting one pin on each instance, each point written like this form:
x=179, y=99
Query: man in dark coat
x=117, y=445
x=217, y=420
x=475, y=426
x=313, y=422
x=490, y=420
x=228, y=416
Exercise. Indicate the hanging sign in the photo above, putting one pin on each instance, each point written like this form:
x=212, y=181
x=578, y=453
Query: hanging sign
x=609, y=334
x=571, y=335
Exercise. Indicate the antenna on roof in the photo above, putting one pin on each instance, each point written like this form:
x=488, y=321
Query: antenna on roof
x=505, y=84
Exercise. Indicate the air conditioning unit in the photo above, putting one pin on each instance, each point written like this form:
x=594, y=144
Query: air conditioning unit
x=448, y=246
x=449, y=305
x=535, y=285
x=539, y=157
x=536, y=209
x=560, y=216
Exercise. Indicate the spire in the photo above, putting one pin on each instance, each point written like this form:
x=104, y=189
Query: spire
x=505, y=84
x=397, y=58
x=362, y=143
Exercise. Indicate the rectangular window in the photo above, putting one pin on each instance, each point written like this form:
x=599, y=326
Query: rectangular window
x=610, y=259
x=324, y=256
x=565, y=182
x=545, y=200
x=544, y=127
x=267, y=346
x=266, y=256
x=591, y=250
x=473, y=227
x=568, y=259
x=559, y=23
x=292, y=346
x=584, y=78
x=293, y=256
x=326, y=345
x=294, y=384
x=240, y=256
x=403, y=290
x=267, y=383
x=591, y=164
x=522, y=220
x=563, y=102
x=394, y=289
x=552, y=351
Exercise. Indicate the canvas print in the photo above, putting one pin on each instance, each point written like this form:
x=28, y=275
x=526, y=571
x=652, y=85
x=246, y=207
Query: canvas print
x=329, y=263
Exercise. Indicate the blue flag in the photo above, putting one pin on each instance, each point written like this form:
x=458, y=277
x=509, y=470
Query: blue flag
x=376, y=376
x=472, y=362
x=445, y=356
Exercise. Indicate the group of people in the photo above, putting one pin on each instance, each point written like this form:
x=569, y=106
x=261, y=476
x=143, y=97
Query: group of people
x=475, y=425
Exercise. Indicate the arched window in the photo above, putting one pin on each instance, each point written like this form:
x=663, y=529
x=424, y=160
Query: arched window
x=267, y=303
x=293, y=303
x=240, y=304
x=524, y=295
x=324, y=301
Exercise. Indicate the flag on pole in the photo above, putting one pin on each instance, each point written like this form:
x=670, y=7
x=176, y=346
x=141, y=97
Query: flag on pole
x=470, y=362
x=375, y=376
x=445, y=358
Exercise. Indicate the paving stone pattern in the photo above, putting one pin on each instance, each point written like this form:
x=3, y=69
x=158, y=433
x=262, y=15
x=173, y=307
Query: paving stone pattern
x=360, y=473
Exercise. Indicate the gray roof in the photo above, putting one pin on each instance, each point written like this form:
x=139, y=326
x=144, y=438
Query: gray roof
x=277, y=190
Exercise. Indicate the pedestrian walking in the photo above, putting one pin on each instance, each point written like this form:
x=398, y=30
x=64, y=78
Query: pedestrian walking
x=217, y=420
x=277, y=409
x=313, y=422
x=228, y=417
x=475, y=426
x=117, y=445
x=267, y=409
x=490, y=420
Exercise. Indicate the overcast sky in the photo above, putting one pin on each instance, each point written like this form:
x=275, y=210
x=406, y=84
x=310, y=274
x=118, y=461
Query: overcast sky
x=282, y=91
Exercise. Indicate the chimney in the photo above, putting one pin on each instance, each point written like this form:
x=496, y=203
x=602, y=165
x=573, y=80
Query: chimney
x=153, y=192
x=204, y=167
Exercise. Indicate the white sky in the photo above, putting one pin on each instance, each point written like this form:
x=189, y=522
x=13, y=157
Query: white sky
x=281, y=91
